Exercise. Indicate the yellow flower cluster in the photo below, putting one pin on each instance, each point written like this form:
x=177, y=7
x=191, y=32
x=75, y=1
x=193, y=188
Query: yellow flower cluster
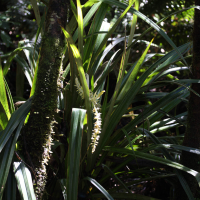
x=94, y=98
x=97, y=128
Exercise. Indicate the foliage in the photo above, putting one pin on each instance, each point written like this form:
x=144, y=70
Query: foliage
x=101, y=140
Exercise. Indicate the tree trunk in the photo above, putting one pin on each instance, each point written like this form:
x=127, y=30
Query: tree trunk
x=192, y=135
x=37, y=132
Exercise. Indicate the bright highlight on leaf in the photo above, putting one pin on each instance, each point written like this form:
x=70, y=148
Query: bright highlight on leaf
x=3, y=96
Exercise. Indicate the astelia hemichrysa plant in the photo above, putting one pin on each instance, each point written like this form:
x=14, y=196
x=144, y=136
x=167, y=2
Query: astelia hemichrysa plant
x=89, y=134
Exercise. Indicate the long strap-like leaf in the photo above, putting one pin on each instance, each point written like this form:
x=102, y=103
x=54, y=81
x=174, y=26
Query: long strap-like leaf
x=73, y=162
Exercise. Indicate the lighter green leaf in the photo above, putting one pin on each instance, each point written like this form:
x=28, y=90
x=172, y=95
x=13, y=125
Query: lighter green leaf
x=11, y=103
x=74, y=152
x=3, y=96
x=80, y=28
x=84, y=84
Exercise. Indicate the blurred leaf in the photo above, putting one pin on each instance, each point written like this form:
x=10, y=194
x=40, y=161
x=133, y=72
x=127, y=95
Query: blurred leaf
x=11, y=56
x=6, y=38
x=36, y=12
x=63, y=183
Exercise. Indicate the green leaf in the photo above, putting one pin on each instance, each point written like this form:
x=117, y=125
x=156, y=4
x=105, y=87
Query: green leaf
x=103, y=72
x=84, y=84
x=178, y=173
x=123, y=105
x=11, y=103
x=117, y=87
x=11, y=187
x=63, y=183
x=24, y=181
x=74, y=152
x=36, y=11
x=144, y=179
x=181, y=83
x=173, y=119
x=6, y=38
x=156, y=106
x=35, y=77
x=94, y=41
x=39, y=29
x=125, y=196
x=21, y=61
x=173, y=147
x=11, y=56
x=99, y=187
x=109, y=171
x=14, y=121
x=3, y=96
x=98, y=51
x=30, y=54
x=169, y=106
x=80, y=28
x=156, y=159
x=74, y=10
x=147, y=20
x=86, y=19
x=6, y=156
x=132, y=31
x=134, y=73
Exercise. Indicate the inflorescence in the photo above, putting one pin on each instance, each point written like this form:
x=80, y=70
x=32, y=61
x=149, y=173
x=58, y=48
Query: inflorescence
x=94, y=98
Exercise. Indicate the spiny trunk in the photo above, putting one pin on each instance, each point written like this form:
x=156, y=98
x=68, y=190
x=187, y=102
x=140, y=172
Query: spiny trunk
x=192, y=135
x=38, y=131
